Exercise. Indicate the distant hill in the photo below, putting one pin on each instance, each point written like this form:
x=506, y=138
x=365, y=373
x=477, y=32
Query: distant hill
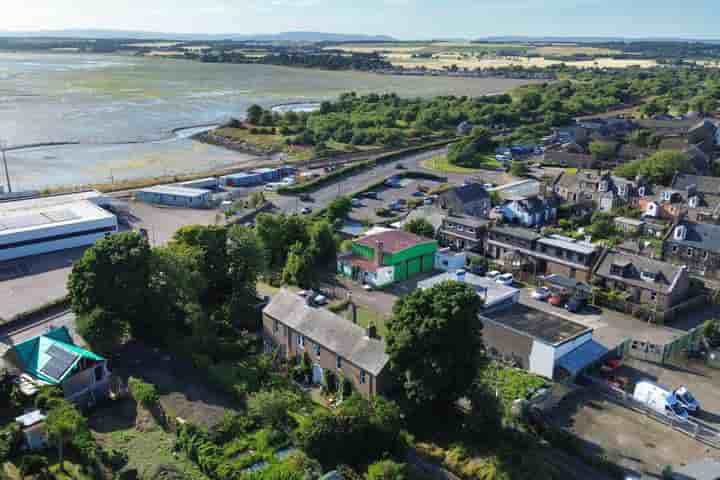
x=140, y=35
x=529, y=39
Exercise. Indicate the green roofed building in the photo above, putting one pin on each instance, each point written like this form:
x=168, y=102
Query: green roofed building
x=54, y=359
x=388, y=257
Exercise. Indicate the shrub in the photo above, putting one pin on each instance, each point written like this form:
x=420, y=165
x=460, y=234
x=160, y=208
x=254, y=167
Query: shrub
x=33, y=464
x=386, y=470
x=10, y=441
x=48, y=396
x=144, y=393
x=270, y=407
x=330, y=382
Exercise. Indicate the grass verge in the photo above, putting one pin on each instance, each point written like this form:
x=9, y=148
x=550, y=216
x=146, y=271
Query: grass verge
x=441, y=164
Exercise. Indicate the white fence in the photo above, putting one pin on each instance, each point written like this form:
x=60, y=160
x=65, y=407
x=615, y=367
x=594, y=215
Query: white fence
x=690, y=427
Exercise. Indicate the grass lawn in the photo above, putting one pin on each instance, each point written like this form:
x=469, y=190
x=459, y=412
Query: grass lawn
x=365, y=316
x=266, y=142
x=149, y=450
x=571, y=171
x=441, y=164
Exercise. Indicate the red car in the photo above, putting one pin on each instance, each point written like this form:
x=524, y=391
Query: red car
x=556, y=301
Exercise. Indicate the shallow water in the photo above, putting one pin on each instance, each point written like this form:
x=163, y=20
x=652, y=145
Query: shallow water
x=99, y=100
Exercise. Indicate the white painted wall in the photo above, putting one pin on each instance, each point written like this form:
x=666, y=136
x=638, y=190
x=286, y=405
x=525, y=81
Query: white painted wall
x=542, y=359
x=384, y=276
x=47, y=247
x=449, y=262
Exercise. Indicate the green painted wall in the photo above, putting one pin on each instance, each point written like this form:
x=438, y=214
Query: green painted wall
x=419, y=250
x=363, y=251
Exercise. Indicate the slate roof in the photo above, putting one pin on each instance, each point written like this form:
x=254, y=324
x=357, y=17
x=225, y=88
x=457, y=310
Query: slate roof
x=666, y=273
x=703, y=184
x=579, y=247
x=333, y=332
x=703, y=236
x=393, y=241
x=471, y=192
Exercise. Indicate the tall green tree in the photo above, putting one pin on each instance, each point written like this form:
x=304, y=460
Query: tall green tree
x=62, y=424
x=211, y=241
x=323, y=243
x=112, y=275
x=434, y=341
x=659, y=167
x=420, y=226
x=602, y=151
x=299, y=268
x=254, y=114
x=339, y=208
x=246, y=261
x=102, y=330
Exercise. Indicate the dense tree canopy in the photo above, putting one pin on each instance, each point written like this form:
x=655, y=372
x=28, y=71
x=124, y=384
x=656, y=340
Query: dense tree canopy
x=433, y=342
x=472, y=150
x=420, y=226
x=657, y=168
x=602, y=151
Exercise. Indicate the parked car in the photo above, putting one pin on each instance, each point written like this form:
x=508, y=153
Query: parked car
x=400, y=166
x=576, y=304
x=505, y=279
x=355, y=202
x=372, y=195
x=428, y=201
x=687, y=400
x=556, y=300
x=418, y=194
x=306, y=197
x=660, y=399
x=320, y=300
x=367, y=287
x=492, y=274
x=542, y=293
x=478, y=270
x=306, y=210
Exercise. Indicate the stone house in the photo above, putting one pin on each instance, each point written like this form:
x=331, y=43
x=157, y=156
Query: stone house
x=295, y=329
x=470, y=199
x=696, y=245
x=649, y=282
x=601, y=190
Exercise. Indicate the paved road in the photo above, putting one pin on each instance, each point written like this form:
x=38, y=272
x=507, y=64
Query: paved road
x=12, y=335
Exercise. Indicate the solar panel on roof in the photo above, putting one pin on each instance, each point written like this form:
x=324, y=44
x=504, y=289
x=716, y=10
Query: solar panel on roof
x=60, y=353
x=60, y=361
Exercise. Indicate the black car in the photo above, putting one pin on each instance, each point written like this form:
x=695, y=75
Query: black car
x=373, y=195
x=576, y=304
x=478, y=270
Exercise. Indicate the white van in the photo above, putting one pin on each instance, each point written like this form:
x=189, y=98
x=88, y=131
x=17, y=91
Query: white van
x=659, y=398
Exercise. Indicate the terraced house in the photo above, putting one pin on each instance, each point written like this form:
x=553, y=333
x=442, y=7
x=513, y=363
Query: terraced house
x=388, y=257
x=518, y=247
x=696, y=245
x=296, y=329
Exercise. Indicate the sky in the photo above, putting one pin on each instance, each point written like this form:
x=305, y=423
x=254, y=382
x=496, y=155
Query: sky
x=404, y=19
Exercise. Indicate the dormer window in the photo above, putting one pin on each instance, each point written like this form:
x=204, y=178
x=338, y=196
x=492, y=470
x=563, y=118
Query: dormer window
x=648, y=276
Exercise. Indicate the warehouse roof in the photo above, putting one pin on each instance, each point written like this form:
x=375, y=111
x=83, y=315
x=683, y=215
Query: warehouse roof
x=333, y=332
x=38, y=213
x=493, y=292
x=537, y=324
x=176, y=190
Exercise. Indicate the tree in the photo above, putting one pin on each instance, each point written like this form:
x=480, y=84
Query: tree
x=299, y=267
x=472, y=150
x=602, y=151
x=102, y=330
x=339, y=208
x=254, y=114
x=211, y=242
x=387, y=470
x=518, y=168
x=323, y=243
x=112, y=275
x=659, y=167
x=433, y=341
x=421, y=227
x=270, y=407
x=62, y=424
x=602, y=225
x=246, y=261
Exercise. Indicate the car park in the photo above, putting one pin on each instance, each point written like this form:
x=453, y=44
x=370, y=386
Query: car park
x=542, y=293
x=505, y=279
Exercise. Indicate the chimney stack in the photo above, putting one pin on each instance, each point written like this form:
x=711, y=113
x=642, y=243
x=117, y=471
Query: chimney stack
x=353, y=308
x=379, y=254
x=371, y=331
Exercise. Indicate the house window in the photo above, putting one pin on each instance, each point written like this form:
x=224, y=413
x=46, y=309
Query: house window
x=362, y=376
x=276, y=326
x=690, y=252
x=338, y=362
x=317, y=350
x=653, y=296
x=706, y=255
x=675, y=249
x=301, y=341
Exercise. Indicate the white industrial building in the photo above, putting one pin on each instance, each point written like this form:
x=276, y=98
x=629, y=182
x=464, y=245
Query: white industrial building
x=47, y=224
x=176, y=195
